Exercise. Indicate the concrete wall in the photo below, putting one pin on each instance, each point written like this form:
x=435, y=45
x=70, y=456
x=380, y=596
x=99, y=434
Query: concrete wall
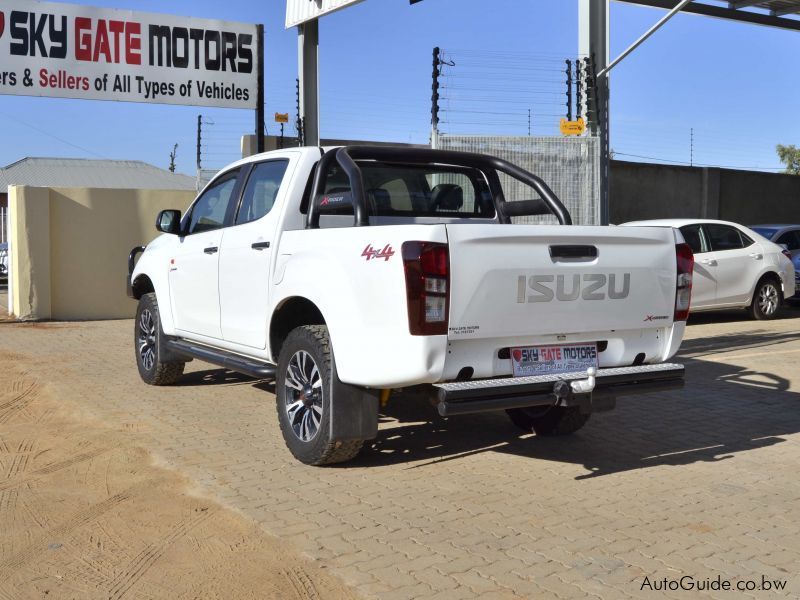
x=70, y=248
x=649, y=191
x=752, y=198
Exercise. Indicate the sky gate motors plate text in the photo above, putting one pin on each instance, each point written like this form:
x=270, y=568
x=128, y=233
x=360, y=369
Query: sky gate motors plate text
x=71, y=51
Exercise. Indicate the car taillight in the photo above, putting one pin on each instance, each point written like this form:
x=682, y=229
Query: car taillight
x=683, y=288
x=427, y=267
x=786, y=253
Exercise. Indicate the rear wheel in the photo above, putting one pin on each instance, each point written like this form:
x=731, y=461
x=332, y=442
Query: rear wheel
x=766, y=300
x=148, y=339
x=304, y=397
x=554, y=420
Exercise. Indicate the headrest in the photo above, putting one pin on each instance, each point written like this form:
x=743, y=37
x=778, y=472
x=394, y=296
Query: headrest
x=447, y=196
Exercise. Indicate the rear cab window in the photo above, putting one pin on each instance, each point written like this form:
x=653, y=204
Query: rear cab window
x=412, y=191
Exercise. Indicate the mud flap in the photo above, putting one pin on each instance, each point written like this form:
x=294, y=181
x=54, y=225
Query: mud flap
x=354, y=411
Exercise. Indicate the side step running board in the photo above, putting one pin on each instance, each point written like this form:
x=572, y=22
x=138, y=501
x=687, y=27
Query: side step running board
x=228, y=360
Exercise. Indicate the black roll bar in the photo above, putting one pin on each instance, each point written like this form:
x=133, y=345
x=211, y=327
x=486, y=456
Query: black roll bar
x=347, y=156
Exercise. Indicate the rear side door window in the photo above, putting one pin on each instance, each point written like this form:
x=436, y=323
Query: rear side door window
x=724, y=237
x=261, y=190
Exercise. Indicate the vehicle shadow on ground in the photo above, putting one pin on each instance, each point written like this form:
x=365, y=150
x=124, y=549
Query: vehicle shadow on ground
x=731, y=342
x=722, y=411
x=214, y=377
x=790, y=310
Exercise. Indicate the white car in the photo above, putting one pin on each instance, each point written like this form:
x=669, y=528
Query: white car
x=735, y=267
x=348, y=273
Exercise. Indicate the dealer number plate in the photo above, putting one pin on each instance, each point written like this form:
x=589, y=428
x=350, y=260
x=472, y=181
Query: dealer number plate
x=542, y=360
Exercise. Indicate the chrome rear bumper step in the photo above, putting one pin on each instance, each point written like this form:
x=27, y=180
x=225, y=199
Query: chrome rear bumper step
x=482, y=395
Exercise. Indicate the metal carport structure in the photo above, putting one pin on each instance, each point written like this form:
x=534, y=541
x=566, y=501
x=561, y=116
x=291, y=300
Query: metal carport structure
x=593, y=40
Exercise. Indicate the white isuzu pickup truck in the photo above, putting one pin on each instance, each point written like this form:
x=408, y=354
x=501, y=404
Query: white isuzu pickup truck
x=346, y=273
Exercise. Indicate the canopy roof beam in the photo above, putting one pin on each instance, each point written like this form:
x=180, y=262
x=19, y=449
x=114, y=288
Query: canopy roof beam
x=721, y=12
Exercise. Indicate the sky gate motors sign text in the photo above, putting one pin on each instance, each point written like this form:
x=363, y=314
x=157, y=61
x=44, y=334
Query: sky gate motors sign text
x=71, y=51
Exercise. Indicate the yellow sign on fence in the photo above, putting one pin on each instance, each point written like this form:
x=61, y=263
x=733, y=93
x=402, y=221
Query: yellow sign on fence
x=573, y=127
x=281, y=117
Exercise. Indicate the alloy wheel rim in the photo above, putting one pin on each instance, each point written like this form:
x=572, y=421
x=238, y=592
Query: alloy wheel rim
x=768, y=299
x=147, y=339
x=303, y=398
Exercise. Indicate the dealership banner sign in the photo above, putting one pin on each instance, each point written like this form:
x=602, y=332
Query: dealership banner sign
x=73, y=51
x=300, y=11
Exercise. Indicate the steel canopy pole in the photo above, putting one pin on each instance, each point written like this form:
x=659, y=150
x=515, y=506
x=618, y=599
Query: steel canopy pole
x=308, y=67
x=593, y=22
x=260, y=119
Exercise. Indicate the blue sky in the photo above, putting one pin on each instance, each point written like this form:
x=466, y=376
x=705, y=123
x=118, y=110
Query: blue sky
x=734, y=84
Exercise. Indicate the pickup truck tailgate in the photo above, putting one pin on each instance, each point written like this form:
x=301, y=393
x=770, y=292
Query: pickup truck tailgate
x=533, y=280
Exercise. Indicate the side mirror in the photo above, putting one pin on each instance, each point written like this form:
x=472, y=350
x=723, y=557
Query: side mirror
x=169, y=221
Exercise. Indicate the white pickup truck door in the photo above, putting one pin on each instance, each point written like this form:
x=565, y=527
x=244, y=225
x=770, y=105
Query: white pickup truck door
x=246, y=253
x=193, y=270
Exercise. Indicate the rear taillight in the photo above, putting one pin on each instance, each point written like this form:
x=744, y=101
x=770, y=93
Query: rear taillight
x=427, y=267
x=683, y=288
x=786, y=253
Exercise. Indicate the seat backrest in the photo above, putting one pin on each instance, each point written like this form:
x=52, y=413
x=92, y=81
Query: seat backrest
x=380, y=199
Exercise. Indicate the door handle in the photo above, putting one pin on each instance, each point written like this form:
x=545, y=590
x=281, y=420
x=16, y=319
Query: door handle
x=756, y=255
x=259, y=245
x=211, y=250
x=709, y=261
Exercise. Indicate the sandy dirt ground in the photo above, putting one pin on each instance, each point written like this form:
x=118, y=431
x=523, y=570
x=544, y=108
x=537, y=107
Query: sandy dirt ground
x=85, y=513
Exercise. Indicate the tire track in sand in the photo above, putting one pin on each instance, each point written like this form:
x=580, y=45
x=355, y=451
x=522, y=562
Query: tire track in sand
x=23, y=393
x=11, y=564
x=143, y=561
x=52, y=468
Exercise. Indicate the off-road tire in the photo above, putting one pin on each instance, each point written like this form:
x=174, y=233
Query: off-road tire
x=319, y=450
x=557, y=420
x=153, y=369
x=766, y=296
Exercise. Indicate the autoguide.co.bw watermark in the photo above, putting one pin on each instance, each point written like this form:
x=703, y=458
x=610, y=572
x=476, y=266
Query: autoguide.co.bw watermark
x=693, y=584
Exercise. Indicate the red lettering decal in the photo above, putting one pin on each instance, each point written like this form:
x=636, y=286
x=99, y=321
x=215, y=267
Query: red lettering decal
x=117, y=28
x=43, y=78
x=101, y=45
x=133, y=43
x=83, y=40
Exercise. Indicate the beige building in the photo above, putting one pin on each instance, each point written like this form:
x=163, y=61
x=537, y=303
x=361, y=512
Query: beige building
x=72, y=223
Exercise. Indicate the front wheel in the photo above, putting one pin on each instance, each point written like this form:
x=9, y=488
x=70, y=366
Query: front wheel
x=555, y=420
x=766, y=300
x=148, y=338
x=304, y=397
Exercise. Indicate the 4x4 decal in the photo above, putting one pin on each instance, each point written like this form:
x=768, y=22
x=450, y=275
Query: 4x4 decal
x=369, y=252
